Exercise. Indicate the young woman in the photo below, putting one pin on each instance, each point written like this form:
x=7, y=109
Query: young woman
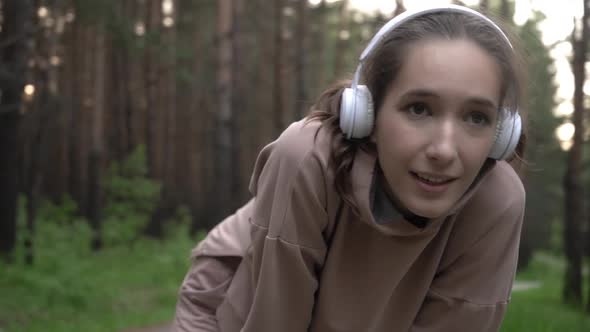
x=390, y=207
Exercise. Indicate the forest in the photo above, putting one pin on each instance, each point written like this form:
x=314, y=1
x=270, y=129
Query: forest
x=128, y=128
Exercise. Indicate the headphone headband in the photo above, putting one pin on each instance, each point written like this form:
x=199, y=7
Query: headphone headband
x=410, y=14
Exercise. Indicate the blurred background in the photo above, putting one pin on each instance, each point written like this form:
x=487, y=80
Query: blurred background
x=130, y=127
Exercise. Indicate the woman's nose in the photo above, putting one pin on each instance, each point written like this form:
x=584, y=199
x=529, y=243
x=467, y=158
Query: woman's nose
x=442, y=147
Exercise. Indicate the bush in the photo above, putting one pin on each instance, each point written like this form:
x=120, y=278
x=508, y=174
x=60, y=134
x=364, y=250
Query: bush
x=130, y=199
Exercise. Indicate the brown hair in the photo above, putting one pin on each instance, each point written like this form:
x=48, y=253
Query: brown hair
x=384, y=63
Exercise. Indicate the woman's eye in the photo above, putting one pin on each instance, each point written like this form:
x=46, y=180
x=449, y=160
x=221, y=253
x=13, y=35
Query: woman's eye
x=478, y=118
x=418, y=110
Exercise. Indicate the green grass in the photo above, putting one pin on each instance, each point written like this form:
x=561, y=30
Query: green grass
x=109, y=291
x=541, y=309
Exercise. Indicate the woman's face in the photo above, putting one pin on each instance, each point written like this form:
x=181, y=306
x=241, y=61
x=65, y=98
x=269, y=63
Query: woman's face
x=437, y=124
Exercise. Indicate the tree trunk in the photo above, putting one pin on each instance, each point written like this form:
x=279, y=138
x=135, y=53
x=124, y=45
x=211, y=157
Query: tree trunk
x=36, y=135
x=580, y=61
x=300, y=60
x=121, y=136
x=198, y=163
x=574, y=212
x=341, y=41
x=237, y=96
x=505, y=10
x=135, y=83
x=16, y=31
x=278, y=105
x=399, y=7
x=154, y=120
x=321, y=47
x=167, y=89
x=39, y=115
x=76, y=55
x=96, y=156
x=225, y=158
x=59, y=164
x=484, y=5
x=83, y=113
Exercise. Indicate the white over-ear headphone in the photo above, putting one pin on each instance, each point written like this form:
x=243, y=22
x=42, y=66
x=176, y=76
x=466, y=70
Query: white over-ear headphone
x=356, y=107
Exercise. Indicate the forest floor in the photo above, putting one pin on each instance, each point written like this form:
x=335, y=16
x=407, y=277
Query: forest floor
x=158, y=328
x=518, y=286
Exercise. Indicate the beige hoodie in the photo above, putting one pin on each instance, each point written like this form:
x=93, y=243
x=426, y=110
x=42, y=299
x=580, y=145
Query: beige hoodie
x=309, y=264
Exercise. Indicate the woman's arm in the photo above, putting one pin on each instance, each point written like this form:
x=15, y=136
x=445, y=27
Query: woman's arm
x=288, y=247
x=214, y=263
x=202, y=291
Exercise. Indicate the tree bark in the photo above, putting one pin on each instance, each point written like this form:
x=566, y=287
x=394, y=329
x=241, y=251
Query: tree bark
x=399, y=7
x=579, y=64
x=278, y=105
x=320, y=46
x=237, y=98
x=300, y=60
x=341, y=42
x=96, y=155
x=505, y=10
x=135, y=84
x=36, y=135
x=484, y=5
x=122, y=115
x=167, y=89
x=154, y=123
x=225, y=164
x=574, y=212
x=16, y=32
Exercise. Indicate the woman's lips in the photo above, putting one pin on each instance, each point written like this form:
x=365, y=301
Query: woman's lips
x=432, y=183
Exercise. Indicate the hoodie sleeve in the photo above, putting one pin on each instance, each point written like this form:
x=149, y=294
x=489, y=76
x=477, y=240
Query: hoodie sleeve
x=214, y=262
x=472, y=289
x=288, y=246
x=201, y=293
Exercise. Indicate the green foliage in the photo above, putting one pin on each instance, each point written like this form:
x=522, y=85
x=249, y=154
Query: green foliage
x=130, y=198
x=59, y=233
x=61, y=239
x=541, y=309
x=556, y=238
x=133, y=281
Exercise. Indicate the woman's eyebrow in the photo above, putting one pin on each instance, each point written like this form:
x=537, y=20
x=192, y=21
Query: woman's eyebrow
x=425, y=93
x=420, y=93
x=483, y=102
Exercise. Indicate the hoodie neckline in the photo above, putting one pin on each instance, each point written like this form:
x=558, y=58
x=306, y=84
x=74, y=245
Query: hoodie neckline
x=364, y=174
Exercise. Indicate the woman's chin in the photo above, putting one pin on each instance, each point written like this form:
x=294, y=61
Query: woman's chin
x=428, y=210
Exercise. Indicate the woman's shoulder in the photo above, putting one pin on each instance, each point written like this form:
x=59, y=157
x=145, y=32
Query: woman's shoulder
x=304, y=147
x=498, y=201
x=494, y=213
x=301, y=141
x=501, y=189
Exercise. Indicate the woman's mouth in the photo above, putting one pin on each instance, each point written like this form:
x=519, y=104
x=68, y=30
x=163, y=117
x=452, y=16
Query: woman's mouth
x=433, y=183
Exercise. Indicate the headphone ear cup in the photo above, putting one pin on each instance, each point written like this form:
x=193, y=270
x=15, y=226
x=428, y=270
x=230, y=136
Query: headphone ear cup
x=507, y=135
x=357, y=114
x=347, y=112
